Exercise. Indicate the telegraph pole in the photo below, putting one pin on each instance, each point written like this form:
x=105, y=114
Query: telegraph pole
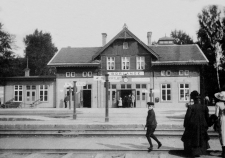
x=107, y=99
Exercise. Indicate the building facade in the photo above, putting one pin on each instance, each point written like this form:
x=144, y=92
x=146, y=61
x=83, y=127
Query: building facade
x=164, y=73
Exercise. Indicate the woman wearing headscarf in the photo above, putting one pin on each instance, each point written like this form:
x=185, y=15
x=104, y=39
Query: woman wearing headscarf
x=195, y=136
x=220, y=113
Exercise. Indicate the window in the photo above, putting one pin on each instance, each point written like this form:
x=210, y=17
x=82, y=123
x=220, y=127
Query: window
x=122, y=86
x=186, y=72
x=18, y=93
x=184, y=92
x=129, y=86
x=125, y=63
x=165, y=92
x=43, y=93
x=143, y=86
x=138, y=86
x=88, y=86
x=113, y=86
x=67, y=74
x=89, y=74
x=181, y=72
x=163, y=73
x=110, y=63
x=84, y=74
x=168, y=73
x=140, y=63
x=72, y=74
x=125, y=45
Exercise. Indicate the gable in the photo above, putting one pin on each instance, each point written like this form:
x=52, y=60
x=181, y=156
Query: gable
x=125, y=34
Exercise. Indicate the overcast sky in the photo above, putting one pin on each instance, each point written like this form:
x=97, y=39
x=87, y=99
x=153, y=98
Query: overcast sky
x=79, y=23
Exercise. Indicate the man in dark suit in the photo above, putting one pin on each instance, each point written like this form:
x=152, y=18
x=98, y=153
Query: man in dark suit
x=151, y=125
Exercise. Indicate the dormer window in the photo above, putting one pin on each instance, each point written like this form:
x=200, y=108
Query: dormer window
x=125, y=45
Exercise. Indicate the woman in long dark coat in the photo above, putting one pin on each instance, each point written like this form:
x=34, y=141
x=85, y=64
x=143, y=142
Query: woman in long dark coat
x=195, y=136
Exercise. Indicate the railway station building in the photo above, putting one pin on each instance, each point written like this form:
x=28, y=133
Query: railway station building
x=164, y=73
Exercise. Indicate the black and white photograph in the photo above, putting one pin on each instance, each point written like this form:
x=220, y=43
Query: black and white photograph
x=112, y=78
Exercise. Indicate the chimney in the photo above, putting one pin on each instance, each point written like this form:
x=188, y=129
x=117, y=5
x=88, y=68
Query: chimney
x=27, y=70
x=104, y=35
x=149, y=36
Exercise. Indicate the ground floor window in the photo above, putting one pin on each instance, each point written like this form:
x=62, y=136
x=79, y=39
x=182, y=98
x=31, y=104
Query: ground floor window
x=184, y=92
x=165, y=92
x=18, y=93
x=43, y=93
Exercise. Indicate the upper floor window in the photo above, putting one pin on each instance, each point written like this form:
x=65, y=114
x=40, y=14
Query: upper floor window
x=84, y=74
x=72, y=74
x=110, y=63
x=166, y=73
x=186, y=72
x=67, y=74
x=125, y=45
x=89, y=74
x=183, y=72
x=140, y=63
x=125, y=63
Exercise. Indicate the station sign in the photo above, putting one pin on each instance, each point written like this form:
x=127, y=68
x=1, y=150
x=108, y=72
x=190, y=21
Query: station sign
x=111, y=78
x=68, y=84
x=81, y=83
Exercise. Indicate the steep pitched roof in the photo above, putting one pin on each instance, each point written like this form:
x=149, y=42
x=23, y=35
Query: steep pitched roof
x=179, y=55
x=125, y=34
x=74, y=57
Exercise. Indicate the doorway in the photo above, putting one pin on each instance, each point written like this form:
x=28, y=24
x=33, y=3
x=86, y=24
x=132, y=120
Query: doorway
x=123, y=94
x=87, y=98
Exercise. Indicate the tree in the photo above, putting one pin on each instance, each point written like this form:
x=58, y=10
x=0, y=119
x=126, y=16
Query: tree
x=181, y=37
x=211, y=37
x=39, y=50
x=10, y=65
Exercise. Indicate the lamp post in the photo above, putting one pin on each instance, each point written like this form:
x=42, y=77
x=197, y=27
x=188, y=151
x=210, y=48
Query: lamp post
x=74, y=103
x=106, y=97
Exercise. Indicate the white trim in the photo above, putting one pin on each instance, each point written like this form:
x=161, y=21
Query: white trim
x=181, y=72
x=202, y=53
x=84, y=74
x=72, y=74
x=89, y=74
x=68, y=74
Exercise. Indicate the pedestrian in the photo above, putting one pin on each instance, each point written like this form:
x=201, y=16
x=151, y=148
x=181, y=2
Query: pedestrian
x=120, y=103
x=151, y=125
x=133, y=100
x=129, y=101
x=195, y=136
x=125, y=99
x=220, y=113
x=207, y=100
x=66, y=99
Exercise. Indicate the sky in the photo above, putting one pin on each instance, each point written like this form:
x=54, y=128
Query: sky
x=80, y=23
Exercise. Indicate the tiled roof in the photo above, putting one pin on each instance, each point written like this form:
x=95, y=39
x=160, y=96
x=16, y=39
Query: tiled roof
x=74, y=57
x=179, y=54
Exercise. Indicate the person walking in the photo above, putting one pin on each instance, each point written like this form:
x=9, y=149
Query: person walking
x=220, y=113
x=195, y=136
x=151, y=125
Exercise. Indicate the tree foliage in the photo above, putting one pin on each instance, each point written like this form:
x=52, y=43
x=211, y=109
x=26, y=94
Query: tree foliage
x=10, y=65
x=181, y=37
x=39, y=50
x=211, y=39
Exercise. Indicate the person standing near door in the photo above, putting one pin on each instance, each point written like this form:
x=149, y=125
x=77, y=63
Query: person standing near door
x=129, y=101
x=120, y=103
x=125, y=99
x=66, y=99
x=133, y=100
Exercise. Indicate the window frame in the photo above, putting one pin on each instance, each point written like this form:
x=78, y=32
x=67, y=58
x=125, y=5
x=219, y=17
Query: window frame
x=72, y=74
x=166, y=92
x=110, y=61
x=186, y=72
x=184, y=89
x=89, y=74
x=139, y=62
x=18, y=96
x=125, y=62
x=84, y=74
x=67, y=74
x=44, y=90
x=125, y=45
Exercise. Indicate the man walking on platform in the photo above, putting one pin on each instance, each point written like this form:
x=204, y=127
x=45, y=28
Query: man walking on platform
x=151, y=125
